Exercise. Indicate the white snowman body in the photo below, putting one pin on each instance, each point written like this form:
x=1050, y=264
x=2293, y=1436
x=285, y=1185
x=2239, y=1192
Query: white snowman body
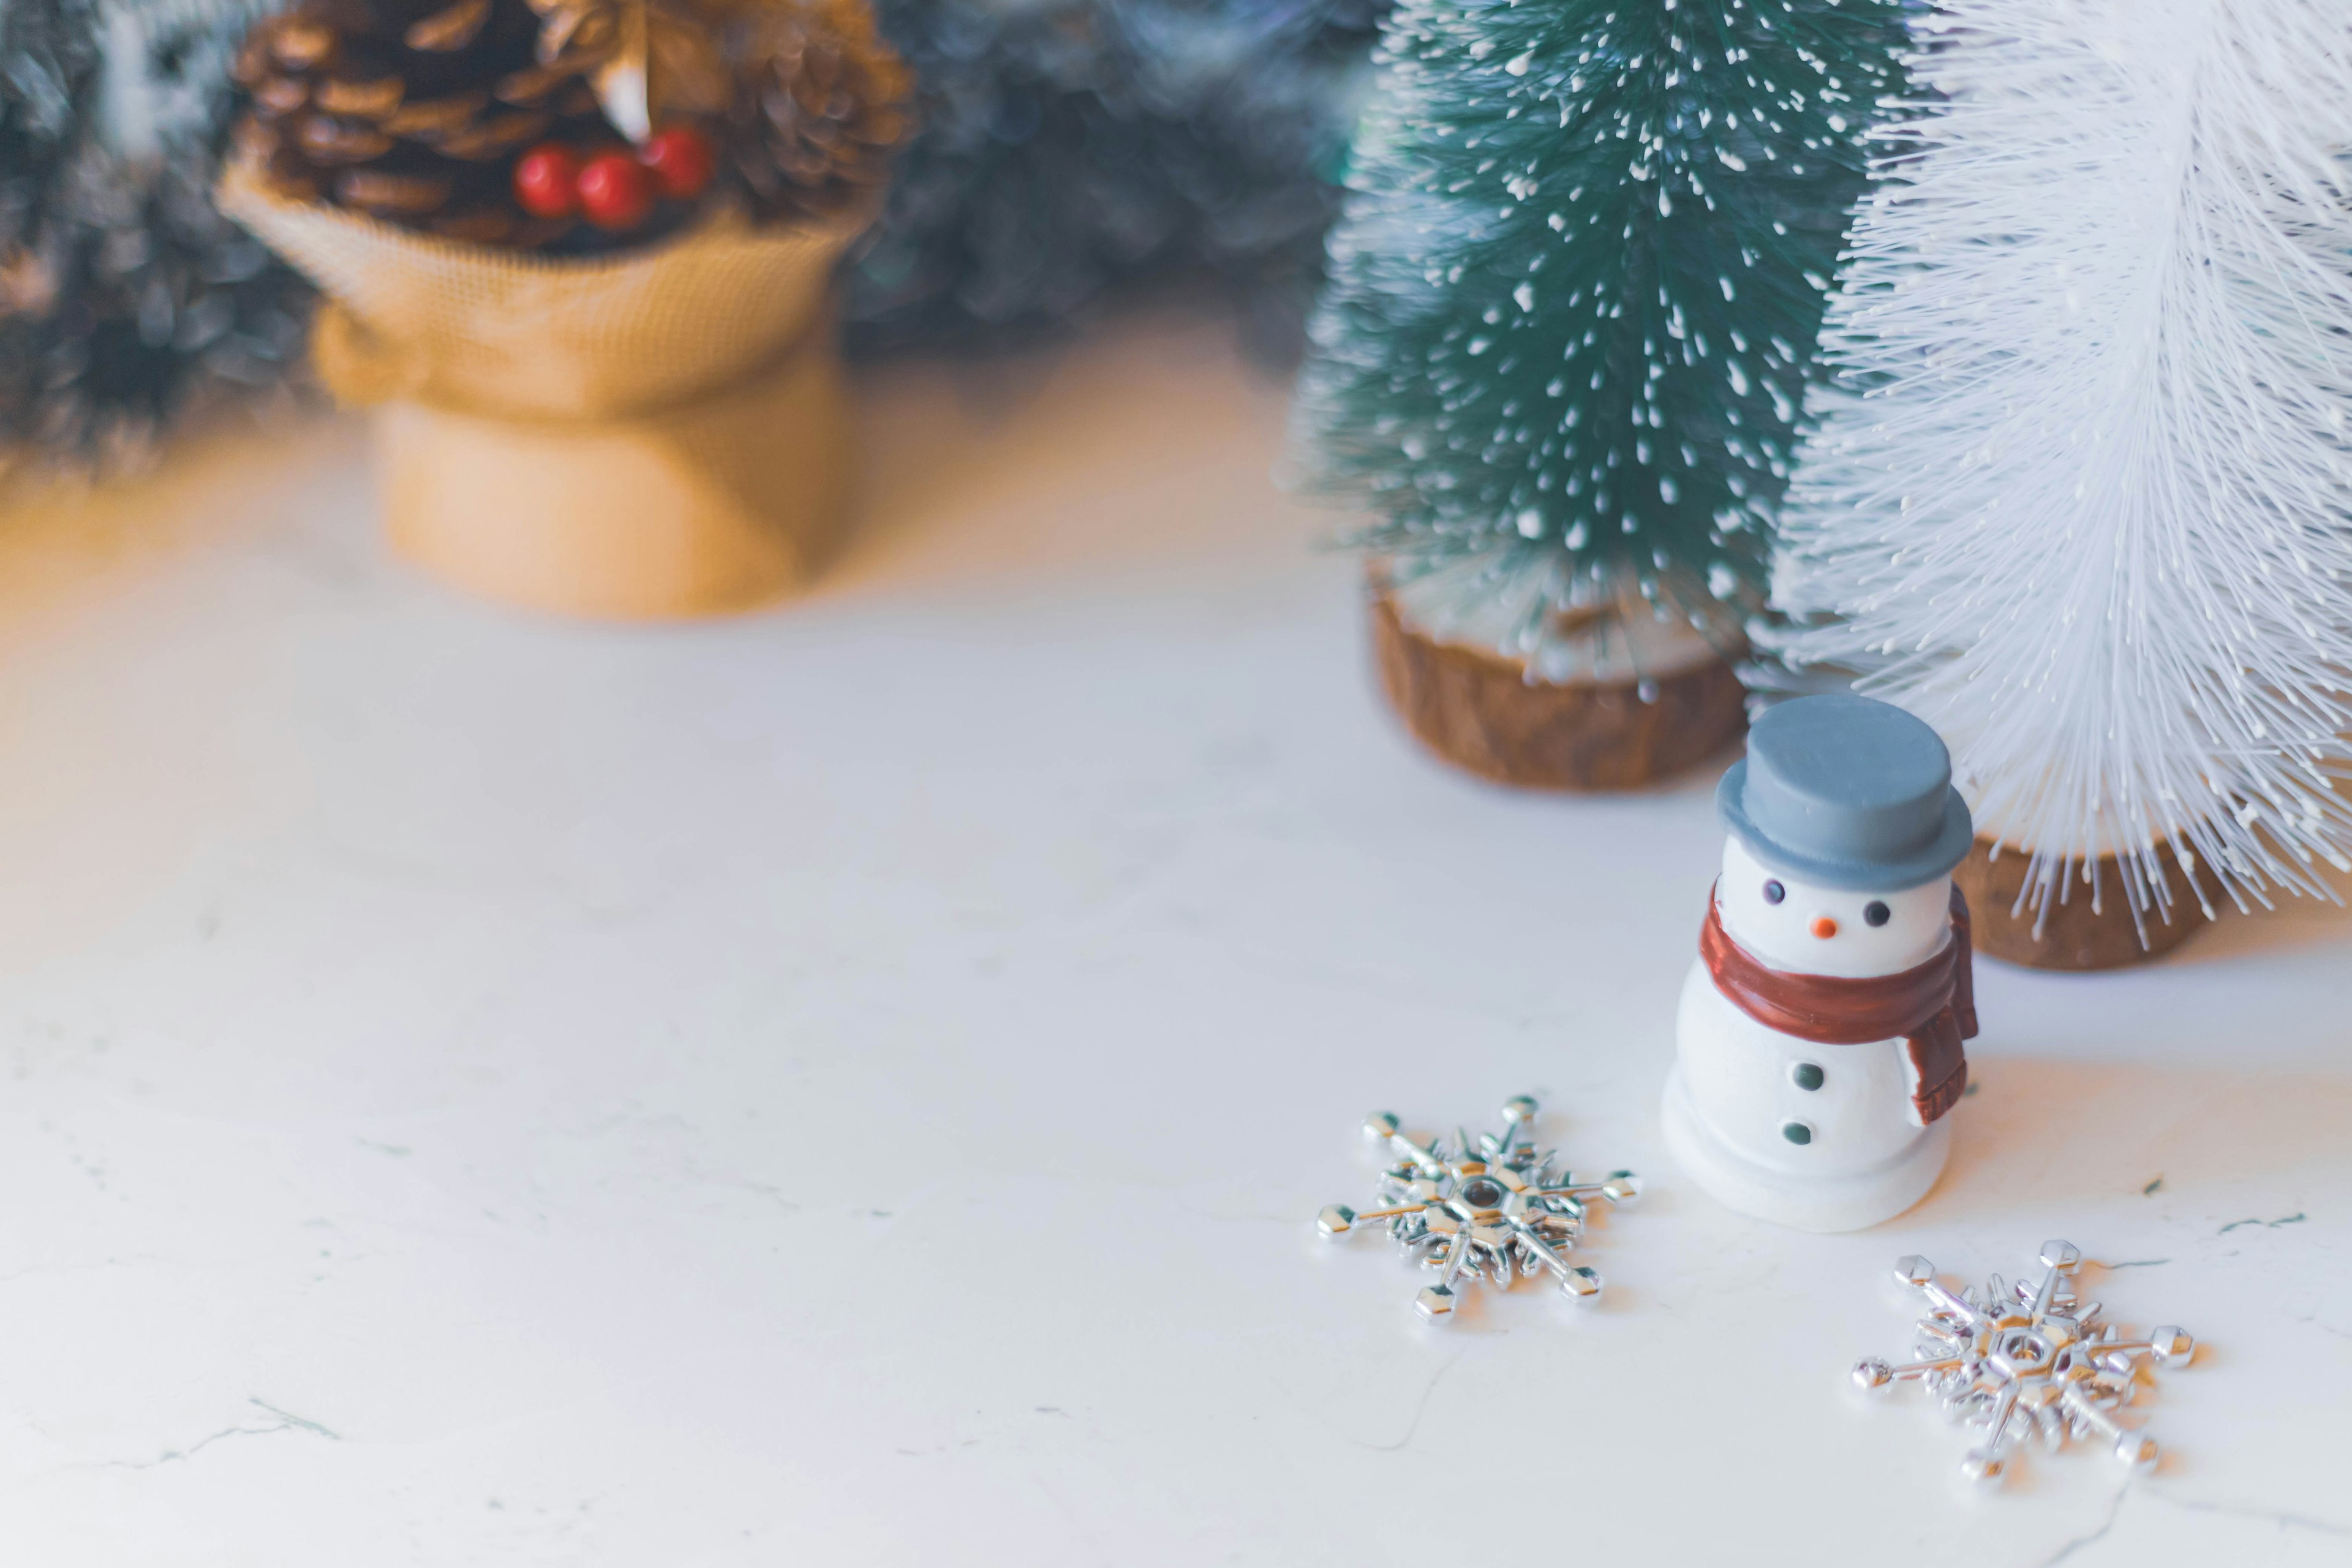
x=1819, y=1137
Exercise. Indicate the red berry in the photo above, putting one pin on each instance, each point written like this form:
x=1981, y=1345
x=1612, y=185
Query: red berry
x=615, y=191
x=547, y=181
x=681, y=159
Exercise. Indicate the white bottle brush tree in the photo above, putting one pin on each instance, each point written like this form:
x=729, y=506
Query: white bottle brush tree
x=2080, y=493
x=1575, y=296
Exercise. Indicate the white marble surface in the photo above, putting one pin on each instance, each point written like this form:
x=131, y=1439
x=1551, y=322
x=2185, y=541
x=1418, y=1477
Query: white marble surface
x=851, y=1085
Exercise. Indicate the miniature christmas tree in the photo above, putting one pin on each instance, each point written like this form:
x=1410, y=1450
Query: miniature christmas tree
x=1571, y=319
x=2081, y=496
x=127, y=302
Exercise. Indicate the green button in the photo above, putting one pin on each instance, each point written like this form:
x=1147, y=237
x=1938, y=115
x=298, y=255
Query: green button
x=1797, y=1132
x=1808, y=1075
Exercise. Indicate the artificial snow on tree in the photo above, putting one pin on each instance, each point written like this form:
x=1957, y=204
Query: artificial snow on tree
x=2081, y=496
x=1572, y=319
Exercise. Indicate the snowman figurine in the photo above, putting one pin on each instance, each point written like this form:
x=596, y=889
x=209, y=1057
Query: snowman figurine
x=1818, y=1046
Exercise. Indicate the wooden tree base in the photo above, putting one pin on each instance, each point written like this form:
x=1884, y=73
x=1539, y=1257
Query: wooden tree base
x=1478, y=712
x=2071, y=937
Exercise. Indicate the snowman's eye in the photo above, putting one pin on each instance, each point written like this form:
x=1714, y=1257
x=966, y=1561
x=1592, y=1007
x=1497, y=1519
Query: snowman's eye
x=1774, y=892
x=1876, y=913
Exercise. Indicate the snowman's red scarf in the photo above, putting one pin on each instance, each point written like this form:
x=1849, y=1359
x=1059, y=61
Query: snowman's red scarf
x=1932, y=1008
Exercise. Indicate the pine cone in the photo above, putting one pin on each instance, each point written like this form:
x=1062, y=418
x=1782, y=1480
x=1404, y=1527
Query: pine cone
x=412, y=111
x=821, y=103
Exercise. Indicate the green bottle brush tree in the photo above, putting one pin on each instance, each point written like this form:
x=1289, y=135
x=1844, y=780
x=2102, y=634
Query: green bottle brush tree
x=1565, y=346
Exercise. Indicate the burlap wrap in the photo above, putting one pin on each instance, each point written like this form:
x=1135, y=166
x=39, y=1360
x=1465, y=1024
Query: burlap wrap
x=1932, y=1006
x=657, y=434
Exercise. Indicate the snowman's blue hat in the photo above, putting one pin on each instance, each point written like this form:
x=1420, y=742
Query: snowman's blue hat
x=1845, y=791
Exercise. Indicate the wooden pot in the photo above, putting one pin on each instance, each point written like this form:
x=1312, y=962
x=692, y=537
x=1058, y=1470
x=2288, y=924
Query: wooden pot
x=1479, y=711
x=2072, y=936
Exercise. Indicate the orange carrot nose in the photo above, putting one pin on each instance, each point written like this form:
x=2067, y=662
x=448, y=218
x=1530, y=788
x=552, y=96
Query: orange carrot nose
x=1824, y=926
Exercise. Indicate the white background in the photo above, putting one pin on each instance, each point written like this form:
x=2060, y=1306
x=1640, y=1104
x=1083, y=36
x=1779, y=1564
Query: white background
x=852, y=1085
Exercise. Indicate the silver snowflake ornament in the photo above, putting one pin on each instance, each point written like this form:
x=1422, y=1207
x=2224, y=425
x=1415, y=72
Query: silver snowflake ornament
x=1489, y=1209
x=2018, y=1362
